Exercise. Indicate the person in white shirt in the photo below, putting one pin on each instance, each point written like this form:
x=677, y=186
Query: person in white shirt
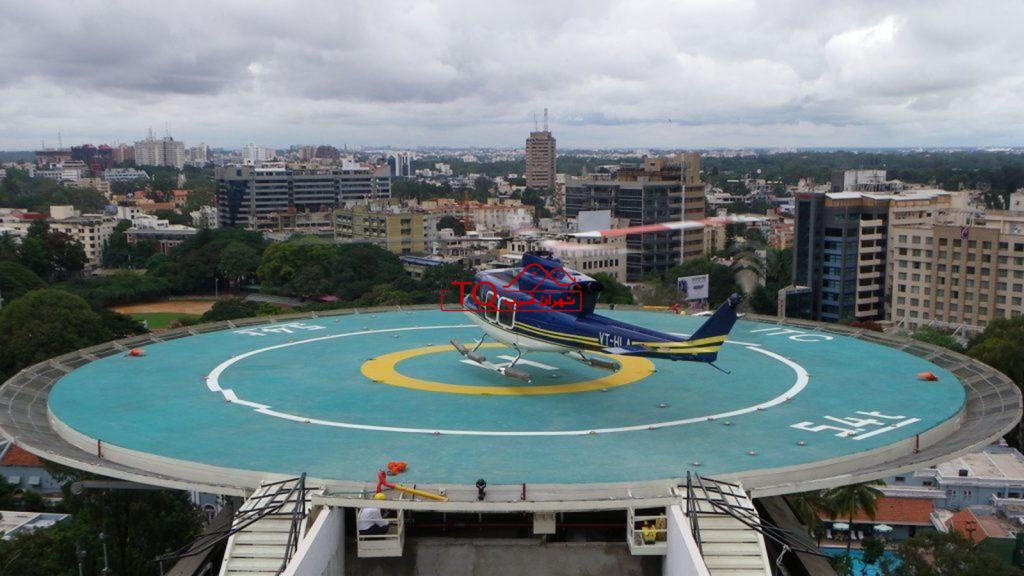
x=371, y=522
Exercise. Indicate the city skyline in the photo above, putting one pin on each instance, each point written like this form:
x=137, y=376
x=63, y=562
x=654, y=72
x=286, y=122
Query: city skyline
x=457, y=74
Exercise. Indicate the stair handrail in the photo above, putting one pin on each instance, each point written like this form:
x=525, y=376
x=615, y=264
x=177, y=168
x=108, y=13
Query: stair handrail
x=777, y=534
x=691, y=513
x=243, y=520
x=298, y=515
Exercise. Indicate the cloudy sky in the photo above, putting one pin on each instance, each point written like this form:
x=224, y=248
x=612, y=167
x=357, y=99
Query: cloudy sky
x=682, y=73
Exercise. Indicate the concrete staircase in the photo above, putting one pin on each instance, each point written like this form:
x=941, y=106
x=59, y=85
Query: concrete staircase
x=729, y=546
x=265, y=520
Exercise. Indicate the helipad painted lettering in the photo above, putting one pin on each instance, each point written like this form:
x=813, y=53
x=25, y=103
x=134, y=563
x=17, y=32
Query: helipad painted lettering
x=796, y=335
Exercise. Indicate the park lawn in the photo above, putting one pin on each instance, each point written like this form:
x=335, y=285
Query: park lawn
x=160, y=320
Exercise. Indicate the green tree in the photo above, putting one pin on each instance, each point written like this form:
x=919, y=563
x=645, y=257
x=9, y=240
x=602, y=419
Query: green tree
x=118, y=253
x=449, y=221
x=807, y=507
x=51, y=255
x=230, y=309
x=43, y=324
x=67, y=257
x=1001, y=346
x=238, y=262
x=123, y=187
x=310, y=267
x=938, y=337
x=33, y=256
x=8, y=493
x=614, y=292
x=193, y=266
x=722, y=282
x=17, y=280
x=846, y=501
x=8, y=247
x=948, y=554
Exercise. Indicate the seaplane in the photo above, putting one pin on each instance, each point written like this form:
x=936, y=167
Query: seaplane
x=542, y=306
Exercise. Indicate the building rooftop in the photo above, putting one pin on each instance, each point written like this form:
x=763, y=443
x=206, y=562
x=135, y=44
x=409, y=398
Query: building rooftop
x=13, y=522
x=979, y=524
x=994, y=463
x=15, y=455
x=921, y=194
x=895, y=511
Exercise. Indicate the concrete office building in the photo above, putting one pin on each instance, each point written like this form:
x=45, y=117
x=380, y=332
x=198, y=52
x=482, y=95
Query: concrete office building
x=160, y=152
x=694, y=205
x=391, y=227
x=650, y=194
x=840, y=248
x=959, y=275
x=252, y=196
x=540, y=158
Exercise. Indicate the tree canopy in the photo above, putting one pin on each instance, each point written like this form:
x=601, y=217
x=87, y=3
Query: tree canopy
x=449, y=221
x=614, y=292
x=948, y=554
x=310, y=267
x=43, y=324
x=17, y=280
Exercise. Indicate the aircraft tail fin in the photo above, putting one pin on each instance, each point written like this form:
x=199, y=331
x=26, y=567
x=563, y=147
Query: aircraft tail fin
x=718, y=326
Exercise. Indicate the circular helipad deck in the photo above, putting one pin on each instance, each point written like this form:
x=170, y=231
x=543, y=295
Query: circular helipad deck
x=338, y=397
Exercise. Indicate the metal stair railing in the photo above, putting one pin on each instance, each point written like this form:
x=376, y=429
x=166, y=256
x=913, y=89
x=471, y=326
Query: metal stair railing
x=247, y=516
x=298, y=515
x=749, y=517
x=691, y=512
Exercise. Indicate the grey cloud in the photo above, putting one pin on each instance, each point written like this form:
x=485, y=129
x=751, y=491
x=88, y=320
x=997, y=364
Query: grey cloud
x=468, y=72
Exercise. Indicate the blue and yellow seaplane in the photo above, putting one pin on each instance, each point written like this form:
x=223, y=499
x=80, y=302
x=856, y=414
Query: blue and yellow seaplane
x=541, y=306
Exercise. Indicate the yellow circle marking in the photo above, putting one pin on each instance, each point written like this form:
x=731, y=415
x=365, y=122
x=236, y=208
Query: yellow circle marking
x=383, y=369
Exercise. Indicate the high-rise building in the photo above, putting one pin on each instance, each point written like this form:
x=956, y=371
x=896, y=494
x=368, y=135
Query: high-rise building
x=960, y=273
x=164, y=151
x=840, y=247
x=254, y=155
x=641, y=195
x=123, y=153
x=401, y=164
x=253, y=196
x=540, y=158
x=694, y=205
x=199, y=154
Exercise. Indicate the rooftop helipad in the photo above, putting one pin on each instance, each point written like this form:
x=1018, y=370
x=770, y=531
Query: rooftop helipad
x=339, y=396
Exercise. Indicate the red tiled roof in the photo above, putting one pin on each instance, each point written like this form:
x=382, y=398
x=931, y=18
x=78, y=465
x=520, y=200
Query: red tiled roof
x=976, y=527
x=18, y=456
x=895, y=511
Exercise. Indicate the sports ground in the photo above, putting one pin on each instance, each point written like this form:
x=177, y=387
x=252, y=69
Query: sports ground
x=338, y=397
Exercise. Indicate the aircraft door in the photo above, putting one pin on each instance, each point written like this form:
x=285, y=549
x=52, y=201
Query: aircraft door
x=506, y=312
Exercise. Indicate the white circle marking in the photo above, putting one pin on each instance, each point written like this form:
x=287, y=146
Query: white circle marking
x=213, y=383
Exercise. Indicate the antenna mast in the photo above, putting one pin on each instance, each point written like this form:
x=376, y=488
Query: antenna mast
x=545, y=119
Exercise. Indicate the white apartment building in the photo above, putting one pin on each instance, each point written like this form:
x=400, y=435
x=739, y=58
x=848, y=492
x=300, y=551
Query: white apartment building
x=254, y=155
x=584, y=254
x=160, y=152
x=90, y=230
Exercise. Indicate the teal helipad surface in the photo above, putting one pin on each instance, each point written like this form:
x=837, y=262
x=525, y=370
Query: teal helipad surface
x=300, y=397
